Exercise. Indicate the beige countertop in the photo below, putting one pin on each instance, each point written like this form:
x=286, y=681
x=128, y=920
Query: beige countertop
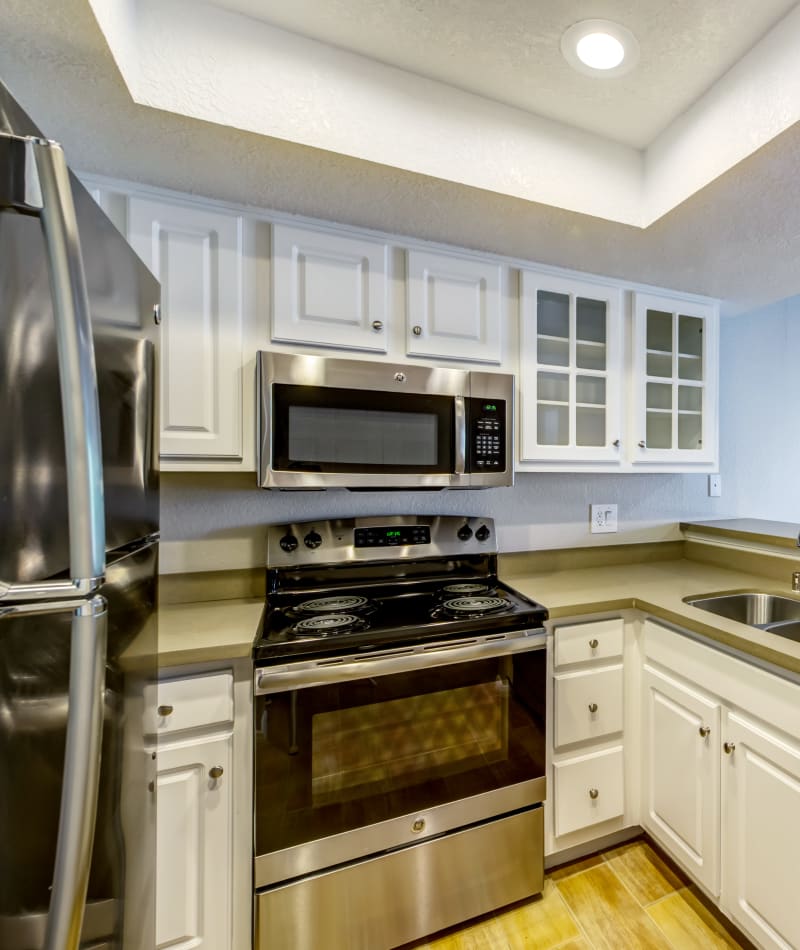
x=779, y=533
x=657, y=588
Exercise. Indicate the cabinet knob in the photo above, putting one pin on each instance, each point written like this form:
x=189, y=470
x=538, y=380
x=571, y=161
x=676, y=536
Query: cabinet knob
x=592, y=707
x=417, y=330
x=215, y=772
x=705, y=732
x=593, y=793
x=728, y=747
x=642, y=444
x=594, y=644
x=616, y=443
x=377, y=325
x=164, y=711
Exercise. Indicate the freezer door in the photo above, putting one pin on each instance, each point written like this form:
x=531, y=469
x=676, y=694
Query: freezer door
x=36, y=659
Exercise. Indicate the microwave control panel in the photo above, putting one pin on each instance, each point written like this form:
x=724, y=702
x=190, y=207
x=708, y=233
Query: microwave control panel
x=487, y=435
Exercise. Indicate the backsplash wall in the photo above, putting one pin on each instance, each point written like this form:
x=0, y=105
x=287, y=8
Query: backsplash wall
x=227, y=513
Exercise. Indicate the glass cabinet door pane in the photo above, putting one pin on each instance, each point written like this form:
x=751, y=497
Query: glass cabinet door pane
x=553, y=387
x=590, y=389
x=690, y=398
x=552, y=425
x=553, y=352
x=590, y=356
x=590, y=426
x=659, y=396
x=659, y=430
x=690, y=347
x=590, y=318
x=690, y=432
x=659, y=364
x=659, y=331
x=552, y=314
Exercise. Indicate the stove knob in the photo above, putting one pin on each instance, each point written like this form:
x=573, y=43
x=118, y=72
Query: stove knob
x=482, y=533
x=464, y=532
x=312, y=540
x=288, y=543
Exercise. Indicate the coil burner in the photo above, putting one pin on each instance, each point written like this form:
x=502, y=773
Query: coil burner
x=465, y=589
x=332, y=605
x=475, y=606
x=328, y=625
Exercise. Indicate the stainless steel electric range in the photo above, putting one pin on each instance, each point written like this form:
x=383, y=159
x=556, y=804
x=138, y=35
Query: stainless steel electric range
x=399, y=733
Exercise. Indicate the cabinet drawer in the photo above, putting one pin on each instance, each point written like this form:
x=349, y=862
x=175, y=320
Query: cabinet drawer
x=576, y=643
x=588, y=704
x=575, y=782
x=188, y=703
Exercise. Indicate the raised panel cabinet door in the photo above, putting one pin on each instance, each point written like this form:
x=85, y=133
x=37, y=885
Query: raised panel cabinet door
x=194, y=834
x=570, y=369
x=329, y=289
x=761, y=843
x=675, y=382
x=454, y=307
x=681, y=774
x=196, y=254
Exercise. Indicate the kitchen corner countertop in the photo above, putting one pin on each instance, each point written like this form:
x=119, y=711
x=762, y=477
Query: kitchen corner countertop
x=210, y=630
x=778, y=533
x=658, y=589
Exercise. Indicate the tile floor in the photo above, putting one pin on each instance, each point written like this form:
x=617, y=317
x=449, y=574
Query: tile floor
x=627, y=897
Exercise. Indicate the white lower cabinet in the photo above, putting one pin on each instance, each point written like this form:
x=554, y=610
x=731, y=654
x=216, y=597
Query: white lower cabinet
x=681, y=766
x=761, y=839
x=193, y=863
x=589, y=790
x=721, y=779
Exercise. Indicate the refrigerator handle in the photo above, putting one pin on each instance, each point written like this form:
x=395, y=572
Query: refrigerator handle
x=79, y=791
x=34, y=179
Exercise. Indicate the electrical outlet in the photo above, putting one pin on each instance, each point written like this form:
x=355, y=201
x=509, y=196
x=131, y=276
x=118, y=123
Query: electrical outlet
x=603, y=518
x=714, y=486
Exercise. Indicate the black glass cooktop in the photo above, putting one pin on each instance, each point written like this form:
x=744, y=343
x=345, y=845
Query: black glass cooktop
x=364, y=618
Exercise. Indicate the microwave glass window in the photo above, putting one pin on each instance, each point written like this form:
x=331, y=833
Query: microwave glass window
x=362, y=436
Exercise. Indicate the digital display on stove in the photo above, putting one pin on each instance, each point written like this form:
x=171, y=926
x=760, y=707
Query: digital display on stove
x=381, y=537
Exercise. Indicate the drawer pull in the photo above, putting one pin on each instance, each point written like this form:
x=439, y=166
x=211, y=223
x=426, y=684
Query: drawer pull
x=593, y=793
x=705, y=732
x=728, y=747
x=592, y=707
x=165, y=711
x=594, y=644
x=215, y=772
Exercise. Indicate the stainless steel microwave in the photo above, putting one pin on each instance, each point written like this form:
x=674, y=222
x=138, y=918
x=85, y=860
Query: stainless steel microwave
x=333, y=423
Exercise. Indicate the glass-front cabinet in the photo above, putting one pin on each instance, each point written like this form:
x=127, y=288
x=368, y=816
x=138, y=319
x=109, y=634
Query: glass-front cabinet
x=570, y=368
x=675, y=380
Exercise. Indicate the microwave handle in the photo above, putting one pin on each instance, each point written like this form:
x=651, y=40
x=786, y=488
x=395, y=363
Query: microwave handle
x=461, y=436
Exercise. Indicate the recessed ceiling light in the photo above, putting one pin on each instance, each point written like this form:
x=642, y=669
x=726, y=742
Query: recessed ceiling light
x=600, y=48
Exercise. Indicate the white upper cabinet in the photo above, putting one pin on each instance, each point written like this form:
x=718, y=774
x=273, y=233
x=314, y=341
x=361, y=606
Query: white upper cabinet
x=569, y=370
x=454, y=307
x=674, y=403
x=196, y=254
x=329, y=289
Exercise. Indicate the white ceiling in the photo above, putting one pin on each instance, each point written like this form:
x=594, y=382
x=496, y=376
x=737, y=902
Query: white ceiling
x=508, y=50
x=735, y=238
x=478, y=92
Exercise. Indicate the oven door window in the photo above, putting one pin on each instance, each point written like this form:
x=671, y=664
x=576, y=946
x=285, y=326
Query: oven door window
x=337, y=757
x=322, y=429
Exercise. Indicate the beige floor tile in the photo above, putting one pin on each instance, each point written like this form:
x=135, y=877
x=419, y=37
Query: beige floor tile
x=567, y=870
x=579, y=944
x=539, y=924
x=643, y=872
x=608, y=913
x=687, y=924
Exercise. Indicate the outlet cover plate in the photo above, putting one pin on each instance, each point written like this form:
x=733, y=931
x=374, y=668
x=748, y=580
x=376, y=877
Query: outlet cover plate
x=603, y=519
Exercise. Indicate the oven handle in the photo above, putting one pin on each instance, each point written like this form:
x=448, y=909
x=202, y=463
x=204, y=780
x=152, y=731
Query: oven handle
x=298, y=675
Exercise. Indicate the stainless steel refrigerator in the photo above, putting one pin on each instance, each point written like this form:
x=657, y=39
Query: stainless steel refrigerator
x=78, y=560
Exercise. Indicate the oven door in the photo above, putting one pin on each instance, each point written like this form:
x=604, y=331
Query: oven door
x=354, y=768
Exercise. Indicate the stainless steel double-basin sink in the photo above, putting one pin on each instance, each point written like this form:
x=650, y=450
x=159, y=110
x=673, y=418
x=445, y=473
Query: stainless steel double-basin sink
x=770, y=612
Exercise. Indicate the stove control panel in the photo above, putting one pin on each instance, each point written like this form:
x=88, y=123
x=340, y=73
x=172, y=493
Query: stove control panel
x=390, y=536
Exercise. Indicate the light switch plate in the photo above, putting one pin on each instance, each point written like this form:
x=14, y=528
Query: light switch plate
x=603, y=518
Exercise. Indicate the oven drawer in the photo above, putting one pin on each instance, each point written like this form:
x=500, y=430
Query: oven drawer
x=596, y=640
x=401, y=896
x=588, y=705
x=188, y=702
x=588, y=790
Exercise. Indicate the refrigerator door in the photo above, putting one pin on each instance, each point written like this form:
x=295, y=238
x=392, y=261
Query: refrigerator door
x=34, y=536
x=36, y=657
